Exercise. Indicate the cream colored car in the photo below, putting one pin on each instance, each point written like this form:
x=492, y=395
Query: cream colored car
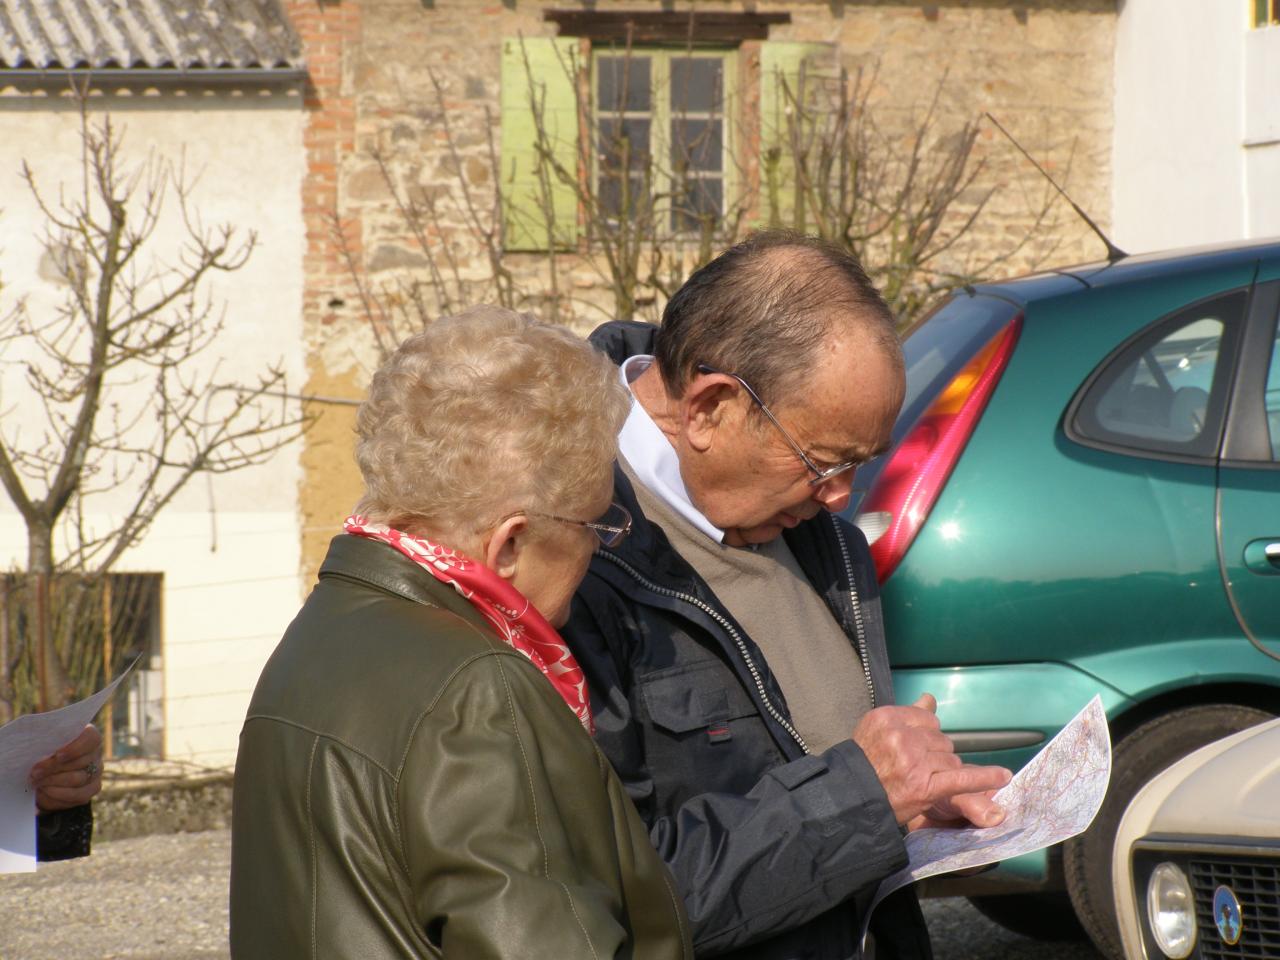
x=1197, y=856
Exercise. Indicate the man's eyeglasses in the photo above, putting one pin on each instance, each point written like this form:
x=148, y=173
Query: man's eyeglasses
x=820, y=474
x=611, y=528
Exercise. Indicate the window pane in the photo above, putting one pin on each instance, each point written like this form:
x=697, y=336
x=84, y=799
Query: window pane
x=697, y=203
x=697, y=84
x=1273, y=399
x=696, y=145
x=612, y=202
x=622, y=83
x=623, y=142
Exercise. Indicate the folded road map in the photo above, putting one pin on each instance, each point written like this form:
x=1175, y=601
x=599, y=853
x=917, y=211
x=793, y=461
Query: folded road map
x=1054, y=797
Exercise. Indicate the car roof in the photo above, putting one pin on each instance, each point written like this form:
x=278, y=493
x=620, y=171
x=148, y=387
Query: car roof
x=1061, y=280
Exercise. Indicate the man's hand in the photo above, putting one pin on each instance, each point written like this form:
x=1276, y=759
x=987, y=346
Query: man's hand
x=926, y=783
x=72, y=776
x=965, y=810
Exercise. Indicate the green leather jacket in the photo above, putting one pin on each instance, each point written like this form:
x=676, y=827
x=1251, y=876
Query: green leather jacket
x=410, y=786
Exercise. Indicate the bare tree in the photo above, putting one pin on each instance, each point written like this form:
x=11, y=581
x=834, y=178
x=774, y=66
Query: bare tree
x=117, y=394
x=908, y=194
x=904, y=198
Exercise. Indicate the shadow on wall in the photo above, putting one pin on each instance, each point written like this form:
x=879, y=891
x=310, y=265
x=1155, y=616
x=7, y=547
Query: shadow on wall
x=931, y=9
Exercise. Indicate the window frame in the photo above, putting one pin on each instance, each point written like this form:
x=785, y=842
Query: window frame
x=1266, y=13
x=1247, y=443
x=661, y=115
x=1203, y=449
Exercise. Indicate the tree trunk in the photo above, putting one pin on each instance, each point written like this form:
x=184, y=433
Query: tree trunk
x=51, y=676
x=7, y=693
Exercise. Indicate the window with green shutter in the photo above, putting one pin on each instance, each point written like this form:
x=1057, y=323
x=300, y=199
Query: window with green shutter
x=652, y=131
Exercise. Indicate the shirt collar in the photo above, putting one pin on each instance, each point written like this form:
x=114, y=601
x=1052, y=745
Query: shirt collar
x=652, y=457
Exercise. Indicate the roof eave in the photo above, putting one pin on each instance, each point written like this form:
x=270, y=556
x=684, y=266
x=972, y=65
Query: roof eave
x=158, y=76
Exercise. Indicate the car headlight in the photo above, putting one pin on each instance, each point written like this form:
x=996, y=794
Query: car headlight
x=1171, y=911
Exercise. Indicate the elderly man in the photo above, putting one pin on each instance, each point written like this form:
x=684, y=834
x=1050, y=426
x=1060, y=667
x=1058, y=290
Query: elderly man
x=733, y=644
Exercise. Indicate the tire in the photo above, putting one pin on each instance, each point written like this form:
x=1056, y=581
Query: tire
x=1135, y=760
x=1040, y=916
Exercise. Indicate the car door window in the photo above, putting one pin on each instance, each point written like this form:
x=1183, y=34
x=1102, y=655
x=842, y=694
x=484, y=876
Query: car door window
x=1157, y=394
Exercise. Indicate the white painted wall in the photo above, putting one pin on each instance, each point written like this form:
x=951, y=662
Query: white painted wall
x=229, y=548
x=1262, y=131
x=1179, y=165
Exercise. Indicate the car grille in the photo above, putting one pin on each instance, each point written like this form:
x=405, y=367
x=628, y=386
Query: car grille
x=1256, y=884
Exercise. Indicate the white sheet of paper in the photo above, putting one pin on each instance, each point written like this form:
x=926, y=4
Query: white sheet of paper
x=23, y=742
x=1053, y=798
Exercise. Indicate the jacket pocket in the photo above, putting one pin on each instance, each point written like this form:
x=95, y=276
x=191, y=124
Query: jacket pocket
x=702, y=732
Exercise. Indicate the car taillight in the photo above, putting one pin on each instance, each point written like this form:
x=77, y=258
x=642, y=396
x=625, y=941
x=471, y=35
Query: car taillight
x=900, y=500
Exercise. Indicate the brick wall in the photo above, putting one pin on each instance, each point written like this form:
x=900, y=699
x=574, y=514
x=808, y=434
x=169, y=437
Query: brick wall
x=331, y=39
x=1043, y=67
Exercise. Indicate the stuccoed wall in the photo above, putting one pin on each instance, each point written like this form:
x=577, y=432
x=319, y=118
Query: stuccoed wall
x=228, y=546
x=1043, y=67
x=1197, y=147
x=1179, y=157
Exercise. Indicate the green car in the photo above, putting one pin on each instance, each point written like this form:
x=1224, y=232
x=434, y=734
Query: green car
x=1083, y=496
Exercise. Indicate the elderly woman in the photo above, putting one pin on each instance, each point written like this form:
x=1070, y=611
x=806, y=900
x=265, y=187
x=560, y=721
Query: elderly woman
x=416, y=777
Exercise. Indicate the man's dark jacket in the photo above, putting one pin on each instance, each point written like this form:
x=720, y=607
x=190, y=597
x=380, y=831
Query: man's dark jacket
x=777, y=850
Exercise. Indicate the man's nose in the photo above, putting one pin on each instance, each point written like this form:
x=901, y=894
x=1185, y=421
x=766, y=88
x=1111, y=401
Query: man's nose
x=835, y=492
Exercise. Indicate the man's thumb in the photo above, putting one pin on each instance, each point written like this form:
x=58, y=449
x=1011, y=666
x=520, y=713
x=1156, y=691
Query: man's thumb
x=927, y=702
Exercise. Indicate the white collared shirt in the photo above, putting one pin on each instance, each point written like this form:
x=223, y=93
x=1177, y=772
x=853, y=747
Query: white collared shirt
x=653, y=459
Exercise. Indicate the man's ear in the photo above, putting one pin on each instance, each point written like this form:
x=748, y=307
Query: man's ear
x=707, y=402
x=503, y=545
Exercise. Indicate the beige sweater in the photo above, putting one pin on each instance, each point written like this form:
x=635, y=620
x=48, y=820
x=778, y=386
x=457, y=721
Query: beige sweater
x=818, y=669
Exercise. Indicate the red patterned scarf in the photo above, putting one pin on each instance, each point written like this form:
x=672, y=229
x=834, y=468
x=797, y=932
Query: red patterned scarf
x=505, y=607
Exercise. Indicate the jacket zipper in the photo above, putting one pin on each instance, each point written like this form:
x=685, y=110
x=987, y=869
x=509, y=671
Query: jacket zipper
x=728, y=628
x=858, y=628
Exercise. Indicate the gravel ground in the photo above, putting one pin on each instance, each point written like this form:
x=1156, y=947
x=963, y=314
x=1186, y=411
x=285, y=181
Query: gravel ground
x=165, y=898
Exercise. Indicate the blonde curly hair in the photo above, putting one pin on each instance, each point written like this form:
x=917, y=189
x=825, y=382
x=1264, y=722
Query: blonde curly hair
x=483, y=414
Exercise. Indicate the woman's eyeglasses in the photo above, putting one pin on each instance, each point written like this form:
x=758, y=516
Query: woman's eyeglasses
x=611, y=528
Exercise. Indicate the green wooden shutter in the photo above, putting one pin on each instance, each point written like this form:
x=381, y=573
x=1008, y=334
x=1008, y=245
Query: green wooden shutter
x=780, y=63
x=541, y=70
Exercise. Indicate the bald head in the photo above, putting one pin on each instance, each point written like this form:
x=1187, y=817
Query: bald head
x=764, y=309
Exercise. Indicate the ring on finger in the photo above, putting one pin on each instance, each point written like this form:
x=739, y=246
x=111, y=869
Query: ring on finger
x=91, y=768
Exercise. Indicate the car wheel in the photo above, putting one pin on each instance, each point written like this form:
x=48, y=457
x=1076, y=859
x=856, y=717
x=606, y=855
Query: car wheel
x=1040, y=916
x=1135, y=760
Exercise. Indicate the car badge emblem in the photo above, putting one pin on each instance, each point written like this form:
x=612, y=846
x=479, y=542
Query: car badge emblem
x=1226, y=914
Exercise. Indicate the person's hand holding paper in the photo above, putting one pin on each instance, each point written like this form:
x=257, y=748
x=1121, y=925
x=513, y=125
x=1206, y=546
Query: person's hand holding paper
x=72, y=776
x=51, y=760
